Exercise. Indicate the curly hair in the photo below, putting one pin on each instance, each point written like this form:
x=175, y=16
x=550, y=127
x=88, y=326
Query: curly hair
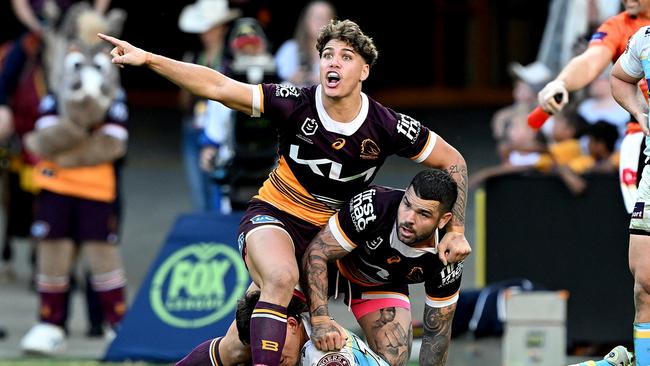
x=350, y=33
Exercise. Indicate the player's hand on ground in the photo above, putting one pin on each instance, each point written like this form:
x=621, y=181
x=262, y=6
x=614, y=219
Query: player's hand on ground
x=125, y=53
x=546, y=97
x=453, y=248
x=327, y=334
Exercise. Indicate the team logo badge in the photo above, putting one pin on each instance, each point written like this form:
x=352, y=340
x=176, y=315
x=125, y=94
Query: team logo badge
x=416, y=274
x=637, y=213
x=333, y=359
x=309, y=127
x=265, y=219
x=369, y=149
x=599, y=36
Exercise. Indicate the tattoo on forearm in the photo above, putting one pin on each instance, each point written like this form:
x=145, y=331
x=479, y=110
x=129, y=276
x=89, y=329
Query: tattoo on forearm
x=321, y=250
x=459, y=173
x=437, y=335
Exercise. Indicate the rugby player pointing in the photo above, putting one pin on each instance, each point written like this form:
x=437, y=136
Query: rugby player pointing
x=333, y=139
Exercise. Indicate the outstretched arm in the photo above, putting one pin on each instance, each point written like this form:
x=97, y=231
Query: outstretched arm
x=453, y=247
x=326, y=333
x=437, y=334
x=199, y=80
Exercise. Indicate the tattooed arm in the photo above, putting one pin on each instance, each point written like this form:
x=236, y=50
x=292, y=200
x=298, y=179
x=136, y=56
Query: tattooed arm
x=453, y=247
x=437, y=334
x=326, y=334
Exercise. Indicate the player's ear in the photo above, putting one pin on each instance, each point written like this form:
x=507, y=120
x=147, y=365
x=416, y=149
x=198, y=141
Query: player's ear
x=365, y=72
x=292, y=324
x=444, y=219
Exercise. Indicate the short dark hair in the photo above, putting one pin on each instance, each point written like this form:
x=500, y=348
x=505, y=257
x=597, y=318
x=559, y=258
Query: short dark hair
x=604, y=132
x=438, y=185
x=246, y=305
x=350, y=33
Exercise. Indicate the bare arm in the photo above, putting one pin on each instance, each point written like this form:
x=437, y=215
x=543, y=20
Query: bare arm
x=578, y=73
x=437, y=334
x=585, y=68
x=453, y=247
x=624, y=90
x=198, y=80
x=25, y=14
x=324, y=248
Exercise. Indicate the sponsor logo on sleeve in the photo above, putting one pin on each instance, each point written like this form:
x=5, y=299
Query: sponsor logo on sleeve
x=285, y=91
x=362, y=209
x=637, y=213
x=265, y=219
x=408, y=127
x=451, y=273
x=598, y=36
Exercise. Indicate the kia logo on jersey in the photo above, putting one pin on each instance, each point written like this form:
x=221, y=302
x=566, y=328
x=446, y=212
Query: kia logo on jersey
x=309, y=127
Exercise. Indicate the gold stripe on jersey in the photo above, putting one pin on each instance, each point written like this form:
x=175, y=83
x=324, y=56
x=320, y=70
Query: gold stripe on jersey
x=440, y=302
x=339, y=234
x=214, y=352
x=352, y=276
x=283, y=191
x=426, y=149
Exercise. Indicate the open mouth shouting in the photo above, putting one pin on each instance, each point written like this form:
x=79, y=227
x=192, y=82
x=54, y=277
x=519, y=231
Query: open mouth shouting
x=333, y=78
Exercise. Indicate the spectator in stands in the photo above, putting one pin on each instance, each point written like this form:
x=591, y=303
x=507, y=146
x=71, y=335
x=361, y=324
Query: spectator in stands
x=602, y=156
x=210, y=19
x=297, y=58
x=601, y=106
x=527, y=80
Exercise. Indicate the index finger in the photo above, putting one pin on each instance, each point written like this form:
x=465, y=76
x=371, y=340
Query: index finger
x=114, y=41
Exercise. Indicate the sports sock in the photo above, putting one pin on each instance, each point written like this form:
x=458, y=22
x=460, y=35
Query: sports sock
x=642, y=343
x=110, y=291
x=206, y=353
x=268, y=331
x=53, y=292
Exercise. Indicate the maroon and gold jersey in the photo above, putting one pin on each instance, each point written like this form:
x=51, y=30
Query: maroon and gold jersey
x=366, y=227
x=322, y=161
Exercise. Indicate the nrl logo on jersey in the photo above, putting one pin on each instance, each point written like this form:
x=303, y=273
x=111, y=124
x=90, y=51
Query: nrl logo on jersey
x=408, y=127
x=285, y=91
x=309, y=127
x=373, y=244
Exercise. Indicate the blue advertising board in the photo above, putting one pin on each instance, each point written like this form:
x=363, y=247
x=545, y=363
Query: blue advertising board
x=189, y=294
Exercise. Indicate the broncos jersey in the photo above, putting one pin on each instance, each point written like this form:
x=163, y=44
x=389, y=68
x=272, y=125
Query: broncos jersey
x=322, y=161
x=355, y=353
x=366, y=227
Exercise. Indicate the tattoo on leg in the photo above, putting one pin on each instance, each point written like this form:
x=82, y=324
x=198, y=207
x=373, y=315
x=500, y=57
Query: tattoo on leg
x=390, y=339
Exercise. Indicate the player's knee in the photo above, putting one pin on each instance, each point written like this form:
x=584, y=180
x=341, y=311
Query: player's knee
x=280, y=279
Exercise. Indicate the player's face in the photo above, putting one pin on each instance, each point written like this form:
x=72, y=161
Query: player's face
x=636, y=7
x=417, y=220
x=341, y=69
x=292, y=343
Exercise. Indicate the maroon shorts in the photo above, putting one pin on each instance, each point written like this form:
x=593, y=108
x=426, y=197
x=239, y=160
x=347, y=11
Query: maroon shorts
x=260, y=213
x=58, y=217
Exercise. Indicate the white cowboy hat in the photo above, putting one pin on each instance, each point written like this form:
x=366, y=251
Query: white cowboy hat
x=535, y=73
x=205, y=14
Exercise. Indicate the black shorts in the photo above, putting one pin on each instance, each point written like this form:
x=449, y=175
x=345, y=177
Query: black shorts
x=59, y=216
x=260, y=214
